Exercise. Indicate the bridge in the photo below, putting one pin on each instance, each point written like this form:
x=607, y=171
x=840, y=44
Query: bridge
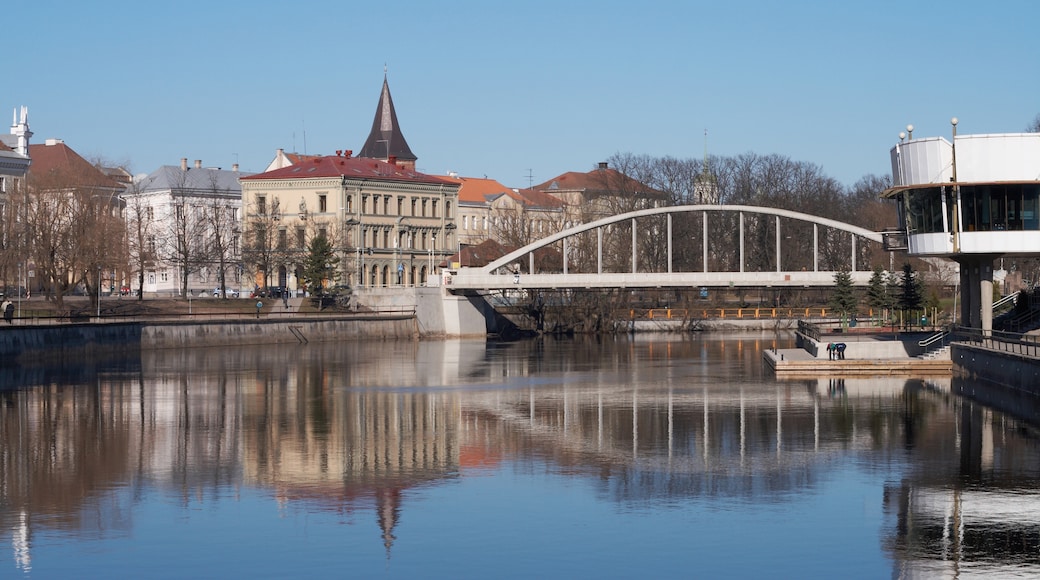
x=509, y=271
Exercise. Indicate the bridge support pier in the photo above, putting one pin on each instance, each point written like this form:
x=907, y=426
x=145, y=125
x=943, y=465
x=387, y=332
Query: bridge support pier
x=977, y=291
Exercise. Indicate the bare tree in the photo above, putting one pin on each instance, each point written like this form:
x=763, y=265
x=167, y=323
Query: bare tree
x=73, y=219
x=260, y=246
x=141, y=231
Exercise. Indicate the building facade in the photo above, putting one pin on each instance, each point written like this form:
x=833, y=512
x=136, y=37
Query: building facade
x=184, y=233
x=973, y=199
x=388, y=224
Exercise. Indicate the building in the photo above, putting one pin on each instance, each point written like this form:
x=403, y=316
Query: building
x=14, y=155
x=183, y=231
x=385, y=140
x=389, y=224
x=972, y=200
x=474, y=215
x=74, y=215
x=599, y=193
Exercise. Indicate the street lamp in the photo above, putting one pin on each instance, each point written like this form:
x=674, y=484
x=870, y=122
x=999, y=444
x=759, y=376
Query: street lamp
x=99, y=292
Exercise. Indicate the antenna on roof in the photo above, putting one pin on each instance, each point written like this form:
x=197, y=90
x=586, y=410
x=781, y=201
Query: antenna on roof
x=304, y=124
x=530, y=179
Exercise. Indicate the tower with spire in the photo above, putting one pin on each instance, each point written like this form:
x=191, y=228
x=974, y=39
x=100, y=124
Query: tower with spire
x=385, y=141
x=20, y=131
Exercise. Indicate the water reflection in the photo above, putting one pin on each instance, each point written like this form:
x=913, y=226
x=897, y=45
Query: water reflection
x=348, y=428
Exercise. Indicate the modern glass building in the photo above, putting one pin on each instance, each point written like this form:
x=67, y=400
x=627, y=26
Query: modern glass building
x=972, y=200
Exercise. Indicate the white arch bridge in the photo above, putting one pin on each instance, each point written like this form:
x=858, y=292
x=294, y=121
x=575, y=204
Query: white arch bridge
x=510, y=271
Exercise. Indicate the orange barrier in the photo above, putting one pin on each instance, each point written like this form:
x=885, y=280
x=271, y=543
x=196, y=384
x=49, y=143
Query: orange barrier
x=723, y=313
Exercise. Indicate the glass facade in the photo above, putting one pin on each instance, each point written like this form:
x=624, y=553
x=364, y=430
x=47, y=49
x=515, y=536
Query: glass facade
x=1000, y=207
x=992, y=207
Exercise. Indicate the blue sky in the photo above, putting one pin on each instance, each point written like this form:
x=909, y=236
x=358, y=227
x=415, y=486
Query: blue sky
x=519, y=90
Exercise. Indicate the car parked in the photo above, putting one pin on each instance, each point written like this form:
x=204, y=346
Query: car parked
x=230, y=293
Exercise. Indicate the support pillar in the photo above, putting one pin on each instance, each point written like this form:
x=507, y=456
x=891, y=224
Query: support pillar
x=977, y=292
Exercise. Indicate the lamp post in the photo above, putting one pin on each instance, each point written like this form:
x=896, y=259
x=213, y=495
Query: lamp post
x=956, y=192
x=99, y=292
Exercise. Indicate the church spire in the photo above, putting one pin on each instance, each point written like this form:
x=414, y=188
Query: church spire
x=386, y=140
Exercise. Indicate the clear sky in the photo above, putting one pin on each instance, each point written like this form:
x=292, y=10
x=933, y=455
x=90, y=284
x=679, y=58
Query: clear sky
x=520, y=90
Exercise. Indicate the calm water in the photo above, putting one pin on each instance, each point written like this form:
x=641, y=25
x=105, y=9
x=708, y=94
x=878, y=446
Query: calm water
x=648, y=457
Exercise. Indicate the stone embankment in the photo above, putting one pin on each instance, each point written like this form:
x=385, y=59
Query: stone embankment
x=18, y=342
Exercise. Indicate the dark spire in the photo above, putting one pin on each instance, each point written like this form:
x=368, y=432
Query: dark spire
x=386, y=140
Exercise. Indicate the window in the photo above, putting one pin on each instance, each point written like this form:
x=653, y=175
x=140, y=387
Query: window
x=465, y=222
x=433, y=206
x=261, y=205
x=447, y=209
x=301, y=238
x=414, y=201
x=400, y=206
x=3, y=184
x=281, y=239
x=424, y=208
x=323, y=203
x=321, y=232
x=350, y=204
x=180, y=211
x=164, y=276
x=150, y=213
x=364, y=204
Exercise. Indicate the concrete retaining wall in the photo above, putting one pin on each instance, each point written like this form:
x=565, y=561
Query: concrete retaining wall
x=1005, y=368
x=867, y=348
x=17, y=342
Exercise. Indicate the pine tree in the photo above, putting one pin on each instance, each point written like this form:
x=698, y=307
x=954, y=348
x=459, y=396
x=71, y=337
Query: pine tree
x=911, y=295
x=878, y=295
x=844, y=300
x=319, y=268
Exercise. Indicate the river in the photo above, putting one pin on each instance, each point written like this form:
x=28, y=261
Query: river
x=658, y=456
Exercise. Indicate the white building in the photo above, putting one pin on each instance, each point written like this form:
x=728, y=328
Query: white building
x=189, y=221
x=972, y=200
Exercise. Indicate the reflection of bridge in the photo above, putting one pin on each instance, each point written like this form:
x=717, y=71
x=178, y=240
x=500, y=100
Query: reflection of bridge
x=503, y=273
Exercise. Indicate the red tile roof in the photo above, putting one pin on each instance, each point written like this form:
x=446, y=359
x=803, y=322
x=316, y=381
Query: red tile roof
x=58, y=156
x=476, y=190
x=349, y=167
x=598, y=181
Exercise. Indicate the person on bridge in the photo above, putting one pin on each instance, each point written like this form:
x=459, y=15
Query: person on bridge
x=840, y=348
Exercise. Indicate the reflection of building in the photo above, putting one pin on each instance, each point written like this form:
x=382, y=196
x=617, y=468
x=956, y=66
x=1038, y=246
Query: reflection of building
x=971, y=200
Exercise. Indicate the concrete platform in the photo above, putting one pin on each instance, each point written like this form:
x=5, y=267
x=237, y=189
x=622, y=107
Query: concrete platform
x=798, y=363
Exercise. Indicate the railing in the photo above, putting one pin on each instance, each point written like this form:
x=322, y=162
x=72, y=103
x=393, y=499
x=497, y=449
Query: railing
x=274, y=313
x=809, y=329
x=1010, y=342
x=939, y=336
x=1005, y=300
x=724, y=313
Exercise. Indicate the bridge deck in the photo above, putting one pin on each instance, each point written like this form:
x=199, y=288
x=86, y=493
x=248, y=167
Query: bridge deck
x=474, y=279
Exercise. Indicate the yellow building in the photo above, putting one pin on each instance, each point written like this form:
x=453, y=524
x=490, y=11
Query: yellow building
x=388, y=224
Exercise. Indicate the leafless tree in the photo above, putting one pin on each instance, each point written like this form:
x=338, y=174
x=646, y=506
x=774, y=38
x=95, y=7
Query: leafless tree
x=141, y=231
x=260, y=246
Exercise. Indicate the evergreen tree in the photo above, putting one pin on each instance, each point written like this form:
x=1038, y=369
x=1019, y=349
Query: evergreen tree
x=879, y=296
x=911, y=295
x=844, y=300
x=319, y=268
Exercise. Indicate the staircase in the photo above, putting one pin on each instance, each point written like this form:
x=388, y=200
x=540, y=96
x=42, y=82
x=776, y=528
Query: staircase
x=941, y=353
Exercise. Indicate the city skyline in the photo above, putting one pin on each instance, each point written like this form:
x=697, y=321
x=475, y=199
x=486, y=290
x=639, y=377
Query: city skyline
x=520, y=93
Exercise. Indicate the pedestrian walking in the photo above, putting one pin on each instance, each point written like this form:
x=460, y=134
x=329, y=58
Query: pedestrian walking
x=8, y=308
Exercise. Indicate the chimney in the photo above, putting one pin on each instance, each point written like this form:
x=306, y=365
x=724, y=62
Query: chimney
x=234, y=167
x=198, y=164
x=348, y=153
x=392, y=160
x=184, y=163
x=602, y=164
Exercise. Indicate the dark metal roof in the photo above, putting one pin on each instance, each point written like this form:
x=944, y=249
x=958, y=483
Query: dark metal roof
x=386, y=139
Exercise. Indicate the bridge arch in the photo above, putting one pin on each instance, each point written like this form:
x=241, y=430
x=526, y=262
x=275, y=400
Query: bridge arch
x=669, y=210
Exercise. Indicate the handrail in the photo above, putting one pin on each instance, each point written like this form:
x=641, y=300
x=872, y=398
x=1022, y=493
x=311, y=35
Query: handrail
x=934, y=338
x=1009, y=298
